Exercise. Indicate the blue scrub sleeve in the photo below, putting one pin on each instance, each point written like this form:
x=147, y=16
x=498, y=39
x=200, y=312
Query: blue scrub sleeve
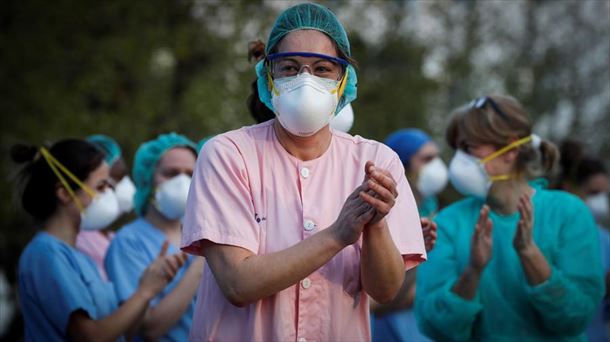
x=125, y=264
x=441, y=314
x=61, y=289
x=568, y=300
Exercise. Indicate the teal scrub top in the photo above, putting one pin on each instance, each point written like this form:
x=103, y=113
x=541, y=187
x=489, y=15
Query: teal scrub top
x=506, y=307
x=133, y=248
x=55, y=280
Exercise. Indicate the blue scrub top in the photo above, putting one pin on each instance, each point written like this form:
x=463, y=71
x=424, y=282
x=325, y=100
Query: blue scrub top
x=506, y=307
x=133, y=248
x=56, y=280
x=598, y=329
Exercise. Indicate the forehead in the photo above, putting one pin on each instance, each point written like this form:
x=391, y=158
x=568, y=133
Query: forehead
x=178, y=157
x=307, y=41
x=428, y=149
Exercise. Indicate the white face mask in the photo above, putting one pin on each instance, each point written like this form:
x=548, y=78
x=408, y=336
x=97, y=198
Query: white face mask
x=304, y=103
x=599, y=206
x=170, y=197
x=125, y=190
x=432, y=178
x=101, y=212
x=344, y=120
x=467, y=174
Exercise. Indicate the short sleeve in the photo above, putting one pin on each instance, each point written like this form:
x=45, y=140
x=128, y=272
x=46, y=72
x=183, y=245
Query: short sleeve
x=60, y=287
x=219, y=206
x=124, y=264
x=403, y=220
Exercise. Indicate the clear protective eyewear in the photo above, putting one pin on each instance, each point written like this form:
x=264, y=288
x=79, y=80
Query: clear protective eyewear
x=481, y=102
x=285, y=65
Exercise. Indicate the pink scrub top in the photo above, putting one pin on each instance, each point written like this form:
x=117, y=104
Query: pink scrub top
x=95, y=244
x=248, y=191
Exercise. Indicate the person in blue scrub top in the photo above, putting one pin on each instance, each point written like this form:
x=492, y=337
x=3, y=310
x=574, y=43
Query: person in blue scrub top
x=513, y=260
x=587, y=177
x=162, y=173
x=424, y=168
x=62, y=296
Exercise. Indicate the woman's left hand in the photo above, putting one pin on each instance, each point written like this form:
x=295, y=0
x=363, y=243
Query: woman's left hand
x=383, y=187
x=523, y=237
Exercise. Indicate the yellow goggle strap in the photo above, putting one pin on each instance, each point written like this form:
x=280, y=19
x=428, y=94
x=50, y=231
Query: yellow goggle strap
x=55, y=165
x=507, y=148
x=499, y=178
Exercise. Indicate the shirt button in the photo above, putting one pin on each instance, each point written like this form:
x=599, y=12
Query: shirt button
x=305, y=172
x=306, y=283
x=309, y=225
x=302, y=339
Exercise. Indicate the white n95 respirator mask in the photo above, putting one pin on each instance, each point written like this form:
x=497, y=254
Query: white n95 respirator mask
x=468, y=176
x=125, y=190
x=432, y=178
x=344, y=120
x=101, y=212
x=304, y=103
x=171, y=195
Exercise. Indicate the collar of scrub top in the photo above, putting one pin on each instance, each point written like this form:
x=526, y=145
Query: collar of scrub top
x=337, y=60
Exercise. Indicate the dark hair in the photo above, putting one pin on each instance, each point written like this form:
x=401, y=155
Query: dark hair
x=488, y=125
x=258, y=110
x=38, y=180
x=256, y=51
x=576, y=166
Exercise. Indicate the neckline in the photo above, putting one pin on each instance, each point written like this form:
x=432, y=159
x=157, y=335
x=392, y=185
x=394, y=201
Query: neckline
x=297, y=161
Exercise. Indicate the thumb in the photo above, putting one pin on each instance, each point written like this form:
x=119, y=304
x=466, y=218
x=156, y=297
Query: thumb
x=164, y=248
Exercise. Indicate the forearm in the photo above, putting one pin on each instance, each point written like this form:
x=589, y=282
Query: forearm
x=535, y=265
x=254, y=277
x=403, y=300
x=161, y=318
x=381, y=266
x=468, y=283
x=117, y=324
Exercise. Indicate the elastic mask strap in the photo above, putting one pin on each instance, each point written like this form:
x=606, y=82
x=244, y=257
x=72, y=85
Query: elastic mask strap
x=507, y=148
x=341, y=87
x=499, y=178
x=55, y=165
x=270, y=84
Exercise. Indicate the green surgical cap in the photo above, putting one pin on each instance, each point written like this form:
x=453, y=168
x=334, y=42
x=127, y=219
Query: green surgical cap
x=145, y=162
x=308, y=17
x=109, y=146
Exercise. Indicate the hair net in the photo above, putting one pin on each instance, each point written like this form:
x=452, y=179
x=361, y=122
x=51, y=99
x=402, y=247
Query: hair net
x=109, y=146
x=145, y=162
x=406, y=143
x=307, y=17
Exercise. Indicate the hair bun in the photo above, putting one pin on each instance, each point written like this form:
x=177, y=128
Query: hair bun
x=256, y=50
x=23, y=153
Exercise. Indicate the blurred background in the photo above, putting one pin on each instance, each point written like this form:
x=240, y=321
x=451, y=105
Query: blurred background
x=134, y=69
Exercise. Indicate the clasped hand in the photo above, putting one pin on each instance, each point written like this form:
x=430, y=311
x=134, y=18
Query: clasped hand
x=367, y=205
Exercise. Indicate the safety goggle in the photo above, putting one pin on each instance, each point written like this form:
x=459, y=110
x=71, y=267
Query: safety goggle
x=481, y=102
x=284, y=64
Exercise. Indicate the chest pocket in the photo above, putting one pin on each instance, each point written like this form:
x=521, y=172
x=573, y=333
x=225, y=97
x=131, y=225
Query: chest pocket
x=101, y=293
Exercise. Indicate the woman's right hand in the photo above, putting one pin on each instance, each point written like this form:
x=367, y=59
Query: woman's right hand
x=354, y=215
x=161, y=271
x=481, y=244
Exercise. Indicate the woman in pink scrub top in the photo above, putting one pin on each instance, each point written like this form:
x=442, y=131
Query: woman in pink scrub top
x=299, y=222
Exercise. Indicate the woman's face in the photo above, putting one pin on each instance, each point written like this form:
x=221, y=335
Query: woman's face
x=173, y=163
x=596, y=184
x=307, y=41
x=98, y=180
x=501, y=165
x=424, y=155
